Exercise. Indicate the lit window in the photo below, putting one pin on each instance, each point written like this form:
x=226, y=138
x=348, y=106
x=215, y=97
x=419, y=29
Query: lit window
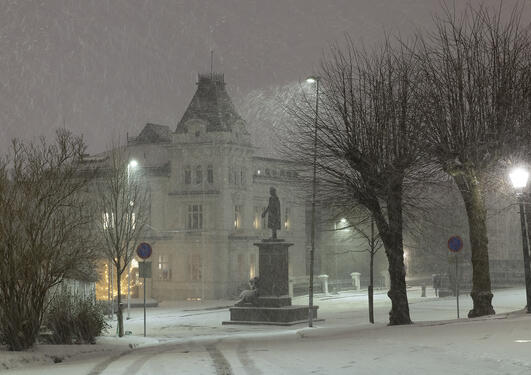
x=252, y=265
x=195, y=267
x=195, y=217
x=257, y=217
x=237, y=216
x=198, y=174
x=187, y=175
x=106, y=221
x=164, y=268
x=286, y=218
x=210, y=174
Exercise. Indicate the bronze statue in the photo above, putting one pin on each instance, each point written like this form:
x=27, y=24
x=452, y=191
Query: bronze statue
x=273, y=211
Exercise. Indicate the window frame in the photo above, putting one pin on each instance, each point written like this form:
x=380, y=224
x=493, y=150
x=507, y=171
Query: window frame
x=194, y=217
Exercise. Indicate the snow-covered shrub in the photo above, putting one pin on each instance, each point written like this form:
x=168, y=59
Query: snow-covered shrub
x=89, y=320
x=75, y=319
x=60, y=318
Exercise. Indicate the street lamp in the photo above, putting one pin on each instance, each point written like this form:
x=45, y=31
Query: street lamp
x=312, y=80
x=519, y=177
x=130, y=167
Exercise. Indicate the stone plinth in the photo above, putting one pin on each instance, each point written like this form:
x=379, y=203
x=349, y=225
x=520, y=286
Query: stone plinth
x=273, y=268
x=285, y=316
x=273, y=305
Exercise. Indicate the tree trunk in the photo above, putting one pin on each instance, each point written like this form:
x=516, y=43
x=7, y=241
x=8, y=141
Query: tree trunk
x=119, y=313
x=371, y=289
x=391, y=235
x=481, y=294
x=399, y=313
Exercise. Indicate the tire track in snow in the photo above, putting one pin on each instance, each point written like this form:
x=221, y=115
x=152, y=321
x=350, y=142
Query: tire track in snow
x=245, y=359
x=220, y=362
x=100, y=367
x=137, y=364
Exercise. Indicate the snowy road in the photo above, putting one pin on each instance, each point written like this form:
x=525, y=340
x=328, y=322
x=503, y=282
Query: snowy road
x=344, y=344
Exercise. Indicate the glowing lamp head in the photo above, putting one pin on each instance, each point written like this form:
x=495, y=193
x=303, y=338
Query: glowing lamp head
x=133, y=163
x=519, y=177
x=312, y=79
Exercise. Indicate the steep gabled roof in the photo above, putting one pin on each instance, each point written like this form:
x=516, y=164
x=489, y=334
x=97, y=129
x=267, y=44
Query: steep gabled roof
x=153, y=133
x=212, y=104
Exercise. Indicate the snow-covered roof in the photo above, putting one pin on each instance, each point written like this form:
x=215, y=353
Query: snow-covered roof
x=154, y=133
x=212, y=104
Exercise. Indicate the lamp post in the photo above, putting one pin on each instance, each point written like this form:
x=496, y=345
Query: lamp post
x=312, y=80
x=519, y=177
x=130, y=166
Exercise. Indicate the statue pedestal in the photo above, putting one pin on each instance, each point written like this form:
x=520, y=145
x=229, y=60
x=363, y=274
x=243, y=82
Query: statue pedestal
x=273, y=305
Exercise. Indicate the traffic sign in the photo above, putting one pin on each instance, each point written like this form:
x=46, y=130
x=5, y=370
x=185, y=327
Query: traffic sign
x=144, y=270
x=455, y=243
x=144, y=250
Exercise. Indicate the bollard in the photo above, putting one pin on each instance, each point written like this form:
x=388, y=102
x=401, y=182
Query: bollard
x=423, y=294
x=356, y=280
x=324, y=283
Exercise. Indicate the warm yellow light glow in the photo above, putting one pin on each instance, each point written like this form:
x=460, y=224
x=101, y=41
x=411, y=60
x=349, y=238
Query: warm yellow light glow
x=102, y=285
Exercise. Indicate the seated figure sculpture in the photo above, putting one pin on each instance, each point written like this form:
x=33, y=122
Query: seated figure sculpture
x=250, y=296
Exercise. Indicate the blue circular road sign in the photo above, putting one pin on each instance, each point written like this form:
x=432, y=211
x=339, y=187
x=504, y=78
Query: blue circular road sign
x=144, y=250
x=455, y=243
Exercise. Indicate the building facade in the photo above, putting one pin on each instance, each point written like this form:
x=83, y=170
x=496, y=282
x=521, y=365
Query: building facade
x=208, y=188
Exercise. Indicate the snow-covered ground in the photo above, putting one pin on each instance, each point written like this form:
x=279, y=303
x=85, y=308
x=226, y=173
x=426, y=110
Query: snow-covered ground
x=188, y=338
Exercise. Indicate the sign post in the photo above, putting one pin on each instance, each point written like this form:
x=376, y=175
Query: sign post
x=455, y=244
x=144, y=252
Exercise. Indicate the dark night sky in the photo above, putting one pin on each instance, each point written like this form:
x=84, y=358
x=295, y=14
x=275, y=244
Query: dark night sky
x=106, y=67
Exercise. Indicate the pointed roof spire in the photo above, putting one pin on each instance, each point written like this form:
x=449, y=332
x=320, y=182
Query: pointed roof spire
x=212, y=104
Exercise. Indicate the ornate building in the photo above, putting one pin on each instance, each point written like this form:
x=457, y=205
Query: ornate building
x=208, y=186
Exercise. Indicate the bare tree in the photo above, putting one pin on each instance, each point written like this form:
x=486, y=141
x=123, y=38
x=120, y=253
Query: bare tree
x=361, y=226
x=367, y=143
x=44, y=221
x=123, y=213
x=476, y=82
